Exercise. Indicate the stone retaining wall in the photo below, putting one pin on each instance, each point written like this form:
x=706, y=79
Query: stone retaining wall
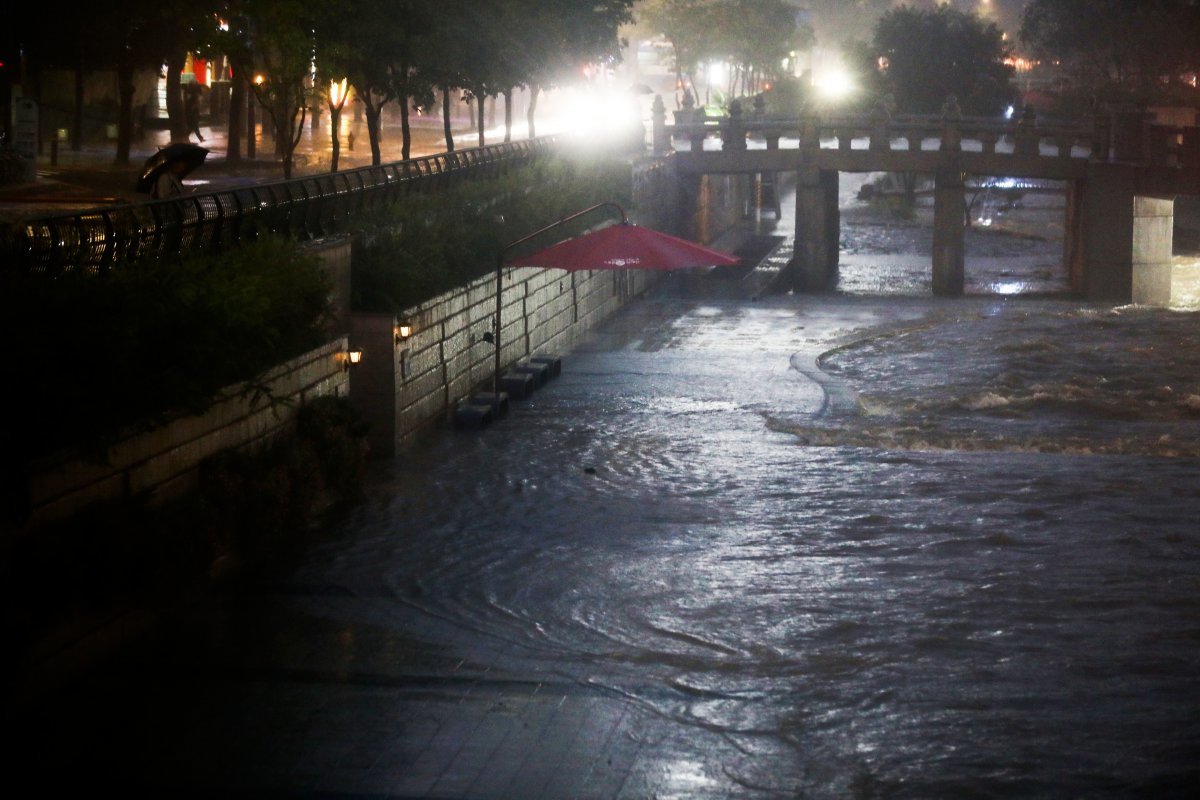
x=403, y=386
x=164, y=462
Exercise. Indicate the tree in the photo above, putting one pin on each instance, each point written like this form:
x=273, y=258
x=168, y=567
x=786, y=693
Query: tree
x=918, y=57
x=1134, y=46
x=376, y=44
x=277, y=39
x=751, y=38
x=557, y=37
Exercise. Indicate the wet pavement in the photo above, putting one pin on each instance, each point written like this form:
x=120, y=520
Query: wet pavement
x=88, y=178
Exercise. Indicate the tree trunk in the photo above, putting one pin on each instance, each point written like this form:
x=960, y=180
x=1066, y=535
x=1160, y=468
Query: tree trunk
x=446, y=129
x=251, y=125
x=237, y=103
x=534, y=91
x=405, y=128
x=480, y=112
x=335, y=121
x=282, y=117
x=175, y=116
x=124, y=110
x=290, y=138
x=77, y=125
x=373, y=110
x=508, y=95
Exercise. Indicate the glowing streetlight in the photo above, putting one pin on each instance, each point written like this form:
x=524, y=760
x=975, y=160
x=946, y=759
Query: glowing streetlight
x=835, y=84
x=338, y=91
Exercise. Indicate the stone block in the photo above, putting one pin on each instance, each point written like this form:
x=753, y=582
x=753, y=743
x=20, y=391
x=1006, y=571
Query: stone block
x=412, y=390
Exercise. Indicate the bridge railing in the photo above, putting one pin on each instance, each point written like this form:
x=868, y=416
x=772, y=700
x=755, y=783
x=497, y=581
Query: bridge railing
x=1022, y=136
x=305, y=207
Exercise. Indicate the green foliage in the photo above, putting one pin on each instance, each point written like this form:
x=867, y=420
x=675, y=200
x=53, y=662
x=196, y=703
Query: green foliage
x=754, y=36
x=101, y=353
x=786, y=98
x=921, y=56
x=429, y=244
x=1127, y=49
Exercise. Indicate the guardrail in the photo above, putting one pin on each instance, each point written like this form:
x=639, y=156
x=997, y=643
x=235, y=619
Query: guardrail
x=307, y=207
x=1022, y=136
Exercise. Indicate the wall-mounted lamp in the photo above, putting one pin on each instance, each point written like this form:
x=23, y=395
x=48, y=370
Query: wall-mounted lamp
x=403, y=331
x=351, y=358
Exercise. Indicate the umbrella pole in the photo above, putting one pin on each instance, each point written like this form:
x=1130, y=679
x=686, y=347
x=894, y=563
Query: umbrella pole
x=500, y=275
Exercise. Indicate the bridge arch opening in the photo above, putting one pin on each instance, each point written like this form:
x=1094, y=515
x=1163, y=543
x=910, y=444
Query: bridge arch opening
x=1014, y=235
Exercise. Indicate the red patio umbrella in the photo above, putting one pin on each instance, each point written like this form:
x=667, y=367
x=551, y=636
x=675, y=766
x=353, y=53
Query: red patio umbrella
x=625, y=246
x=620, y=246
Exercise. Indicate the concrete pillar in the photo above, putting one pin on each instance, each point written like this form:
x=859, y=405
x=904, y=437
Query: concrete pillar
x=1127, y=239
x=810, y=259
x=1153, y=247
x=1073, y=237
x=687, y=205
x=334, y=253
x=373, y=382
x=949, y=224
x=833, y=224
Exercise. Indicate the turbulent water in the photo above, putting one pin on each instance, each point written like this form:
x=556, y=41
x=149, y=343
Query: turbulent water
x=849, y=546
x=901, y=569
x=809, y=546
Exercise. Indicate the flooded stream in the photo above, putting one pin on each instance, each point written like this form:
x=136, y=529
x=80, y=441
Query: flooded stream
x=800, y=546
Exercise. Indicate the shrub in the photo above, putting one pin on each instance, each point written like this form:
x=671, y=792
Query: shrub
x=103, y=353
x=428, y=244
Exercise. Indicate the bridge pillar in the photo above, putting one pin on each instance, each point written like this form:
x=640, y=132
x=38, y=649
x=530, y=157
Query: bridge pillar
x=814, y=259
x=949, y=225
x=1073, y=237
x=1127, y=239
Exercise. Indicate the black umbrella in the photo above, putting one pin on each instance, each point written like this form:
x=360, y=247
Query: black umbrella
x=192, y=156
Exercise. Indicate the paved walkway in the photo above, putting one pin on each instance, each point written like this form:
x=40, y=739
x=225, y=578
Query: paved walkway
x=88, y=177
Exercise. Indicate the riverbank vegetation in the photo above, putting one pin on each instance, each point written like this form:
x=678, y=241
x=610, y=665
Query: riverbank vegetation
x=431, y=243
x=101, y=355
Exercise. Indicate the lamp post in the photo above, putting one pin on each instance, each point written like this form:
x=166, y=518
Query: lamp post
x=251, y=125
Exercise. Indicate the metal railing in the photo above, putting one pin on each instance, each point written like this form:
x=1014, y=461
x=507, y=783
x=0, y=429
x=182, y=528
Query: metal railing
x=308, y=207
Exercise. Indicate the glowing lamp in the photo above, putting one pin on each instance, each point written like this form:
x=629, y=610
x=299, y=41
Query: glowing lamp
x=337, y=92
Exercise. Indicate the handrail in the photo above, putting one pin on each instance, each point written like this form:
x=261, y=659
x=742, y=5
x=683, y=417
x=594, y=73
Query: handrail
x=306, y=207
x=881, y=129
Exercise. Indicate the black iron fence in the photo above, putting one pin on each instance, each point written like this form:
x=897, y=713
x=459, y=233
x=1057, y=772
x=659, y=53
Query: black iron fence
x=307, y=207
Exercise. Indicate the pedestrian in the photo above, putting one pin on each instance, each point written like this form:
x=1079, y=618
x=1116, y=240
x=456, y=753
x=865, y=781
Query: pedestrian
x=191, y=109
x=169, y=182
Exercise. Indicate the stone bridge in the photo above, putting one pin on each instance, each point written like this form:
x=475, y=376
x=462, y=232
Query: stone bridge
x=1122, y=175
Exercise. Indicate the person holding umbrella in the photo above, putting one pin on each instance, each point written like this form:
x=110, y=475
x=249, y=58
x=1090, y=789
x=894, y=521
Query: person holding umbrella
x=163, y=173
x=169, y=182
